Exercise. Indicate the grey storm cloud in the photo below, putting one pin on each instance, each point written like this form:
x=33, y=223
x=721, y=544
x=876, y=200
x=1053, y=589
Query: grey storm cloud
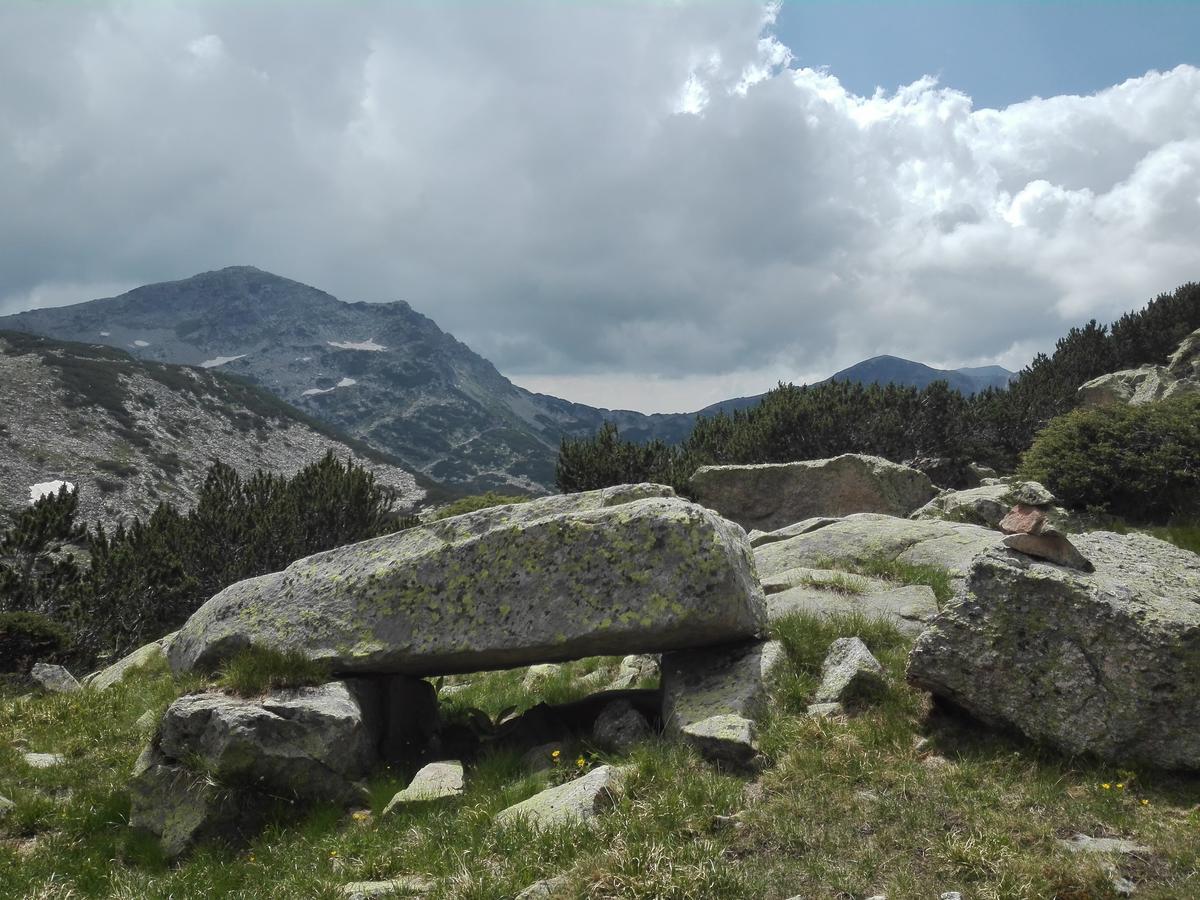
x=605, y=197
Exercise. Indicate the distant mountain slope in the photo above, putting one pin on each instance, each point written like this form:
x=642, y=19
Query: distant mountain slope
x=895, y=370
x=379, y=371
x=129, y=434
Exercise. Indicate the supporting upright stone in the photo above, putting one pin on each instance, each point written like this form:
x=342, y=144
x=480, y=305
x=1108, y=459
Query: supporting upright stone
x=712, y=696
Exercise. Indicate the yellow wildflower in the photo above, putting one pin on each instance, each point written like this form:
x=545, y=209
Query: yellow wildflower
x=1106, y=786
x=581, y=762
x=555, y=754
x=1145, y=802
x=1120, y=786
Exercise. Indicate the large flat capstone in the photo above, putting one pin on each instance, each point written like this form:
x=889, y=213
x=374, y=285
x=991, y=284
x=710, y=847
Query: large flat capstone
x=618, y=571
x=1105, y=663
x=772, y=495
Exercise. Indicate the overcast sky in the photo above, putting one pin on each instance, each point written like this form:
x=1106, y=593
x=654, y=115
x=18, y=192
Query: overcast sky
x=641, y=205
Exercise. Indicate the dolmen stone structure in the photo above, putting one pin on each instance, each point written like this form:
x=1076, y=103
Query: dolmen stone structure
x=625, y=570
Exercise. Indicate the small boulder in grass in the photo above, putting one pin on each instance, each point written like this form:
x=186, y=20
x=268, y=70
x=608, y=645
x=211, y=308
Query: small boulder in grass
x=436, y=781
x=850, y=675
x=1024, y=519
x=620, y=727
x=55, y=679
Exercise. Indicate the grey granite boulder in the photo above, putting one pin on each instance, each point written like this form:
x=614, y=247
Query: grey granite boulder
x=951, y=545
x=759, y=538
x=215, y=758
x=409, y=886
x=546, y=889
x=148, y=656
x=435, y=781
x=6, y=806
x=1105, y=663
x=850, y=674
x=577, y=802
x=634, y=670
x=54, y=679
x=1146, y=384
x=620, y=727
x=553, y=579
x=772, y=495
x=712, y=696
x=1050, y=545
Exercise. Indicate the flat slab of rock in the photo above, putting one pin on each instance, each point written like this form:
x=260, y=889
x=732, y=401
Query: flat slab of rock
x=908, y=607
x=546, y=889
x=54, y=678
x=436, y=781
x=577, y=802
x=1082, y=843
x=404, y=886
x=850, y=674
x=554, y=579
x=1104, y=663
x=43, y=760
x=772, y=495
x=1051, y=546
x=712, y=696
x=857, y=538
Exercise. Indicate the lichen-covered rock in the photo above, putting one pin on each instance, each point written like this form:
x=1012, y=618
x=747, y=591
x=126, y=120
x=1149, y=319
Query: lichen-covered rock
x=1146, y=384
x=537, y=676
x=435, y=781
x=150, y=655
x=824, y=593
x=712, y=696
x=54, y=678
x=1104, y=663
x=43, y=760
x=216, y=759
x=772, y=495
x=866, y=536
x=986, y=505
x=577, y=802
x=850, y=674
x=553, y=579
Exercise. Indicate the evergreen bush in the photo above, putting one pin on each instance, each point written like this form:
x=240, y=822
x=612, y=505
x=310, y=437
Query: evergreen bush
x=26, y=638
x=1138, y=462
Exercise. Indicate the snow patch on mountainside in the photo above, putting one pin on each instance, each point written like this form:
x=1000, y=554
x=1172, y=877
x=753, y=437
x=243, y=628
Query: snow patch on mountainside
x=357, y=345
x=46, y=488
x=345, y=382
x=219, y=361
x=141, y=343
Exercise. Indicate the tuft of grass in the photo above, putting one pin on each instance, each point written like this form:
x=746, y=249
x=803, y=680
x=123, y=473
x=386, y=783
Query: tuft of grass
x=476, y=502
x=257, y=670
x=837, y=582
x=935, y=577
x=1186, y=536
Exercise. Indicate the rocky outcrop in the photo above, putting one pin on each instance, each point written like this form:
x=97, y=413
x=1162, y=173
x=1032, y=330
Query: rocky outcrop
x=770, y=496
x=1104, y=663
x=951, y=545
x=1146, y=384
x=828, y=593
x=712, y=697
x=758, y=538
x=618, y=571
x=216, y=759
x=577, y=802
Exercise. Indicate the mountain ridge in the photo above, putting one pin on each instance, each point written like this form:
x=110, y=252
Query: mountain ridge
x=381, y=372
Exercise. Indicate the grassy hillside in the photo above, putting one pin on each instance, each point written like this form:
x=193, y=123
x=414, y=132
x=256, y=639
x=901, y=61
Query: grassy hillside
x=897, y=801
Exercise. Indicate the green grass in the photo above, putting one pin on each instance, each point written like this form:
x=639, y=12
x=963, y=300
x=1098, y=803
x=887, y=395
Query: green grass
x=935, y=577
x=1185, y=535
x=837, y=582
x=846, y=808
x=476, y=502
x=256, y=670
